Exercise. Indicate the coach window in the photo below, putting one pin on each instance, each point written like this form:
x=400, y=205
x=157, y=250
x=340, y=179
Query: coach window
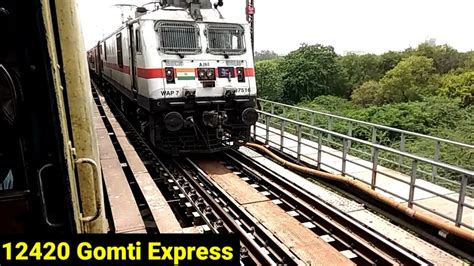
x=119, y=50
x=138, y=43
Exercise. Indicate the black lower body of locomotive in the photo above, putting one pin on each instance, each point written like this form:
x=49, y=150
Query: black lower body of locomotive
x=202, y=125
x=189, y=124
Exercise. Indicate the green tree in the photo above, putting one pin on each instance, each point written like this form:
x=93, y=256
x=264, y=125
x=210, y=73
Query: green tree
x=410, y=80
x=311, y=71
x=361, y=68
x=445, y=58
x=459, y=86
x=269, y=79
x=368, y=93
x=469, y=62
x=265, y=55
x=389, y=60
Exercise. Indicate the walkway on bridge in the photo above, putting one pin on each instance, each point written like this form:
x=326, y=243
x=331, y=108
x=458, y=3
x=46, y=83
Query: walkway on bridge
x=384, y=168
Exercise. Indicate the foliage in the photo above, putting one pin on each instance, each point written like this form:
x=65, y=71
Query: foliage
x=360, y=68
x=367, y=94
x=329, y=104
x=445, y=58
x=436, y=116
x=311, y=71
x=410, y=80
x=410, y=75
x=265, y=55
x=469, y=62
x=459, y=86
x=389, y=60
x=269, y=79
x=428, y=89
x=419, y=117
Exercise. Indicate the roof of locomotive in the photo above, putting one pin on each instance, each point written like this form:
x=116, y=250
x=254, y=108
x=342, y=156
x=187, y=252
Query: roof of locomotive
x=178, y=14
x=173, y=13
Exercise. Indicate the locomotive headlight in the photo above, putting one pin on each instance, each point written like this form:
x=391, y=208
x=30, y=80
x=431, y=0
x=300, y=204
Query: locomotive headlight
x=207, y=74
x=249, y=116
x=240, y=74
x=169, y=73
x=210, y=73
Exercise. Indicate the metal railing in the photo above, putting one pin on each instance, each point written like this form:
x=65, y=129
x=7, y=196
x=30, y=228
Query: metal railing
x=278, y=131
x=435, y=148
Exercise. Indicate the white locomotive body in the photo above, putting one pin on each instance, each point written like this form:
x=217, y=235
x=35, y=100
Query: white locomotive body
x=190, y=82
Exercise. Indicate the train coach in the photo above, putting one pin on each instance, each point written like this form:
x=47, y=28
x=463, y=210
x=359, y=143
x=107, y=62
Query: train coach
x=184, y=73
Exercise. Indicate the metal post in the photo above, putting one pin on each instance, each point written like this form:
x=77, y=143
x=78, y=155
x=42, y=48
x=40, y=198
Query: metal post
x=298, y=115
x=298, y=149
x=320, y=149
x=374, y=139
x=349, y=142
x=411, y=193
x=250, y=11
x=272, y=108
x=402, y=149
x=434, y=171
x=312, y=124
x=344, y=156
x=462, y=197
x=282, y=133
x=255, y=132
x=375, y=161
x=267, y=127
x=330, y=129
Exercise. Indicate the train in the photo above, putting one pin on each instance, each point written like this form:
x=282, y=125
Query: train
x=184, y=74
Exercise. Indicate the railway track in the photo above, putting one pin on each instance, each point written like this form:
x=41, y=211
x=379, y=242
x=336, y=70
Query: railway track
x=345, y=233
x=200, y=199
x=197, y=200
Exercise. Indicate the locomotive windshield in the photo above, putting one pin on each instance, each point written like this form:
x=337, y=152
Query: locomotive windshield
x=225, y=39
x=178, y=37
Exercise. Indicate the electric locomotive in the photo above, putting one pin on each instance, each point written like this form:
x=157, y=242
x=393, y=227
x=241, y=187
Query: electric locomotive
x=184, y=73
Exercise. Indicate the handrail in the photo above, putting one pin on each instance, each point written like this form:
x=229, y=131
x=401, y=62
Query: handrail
x=468, y=173
x=465, y=145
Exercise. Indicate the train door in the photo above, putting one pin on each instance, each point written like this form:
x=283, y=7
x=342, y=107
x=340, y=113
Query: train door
x=134, y=40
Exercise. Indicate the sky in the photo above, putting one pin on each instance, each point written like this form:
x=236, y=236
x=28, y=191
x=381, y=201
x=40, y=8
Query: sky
x=362, y=26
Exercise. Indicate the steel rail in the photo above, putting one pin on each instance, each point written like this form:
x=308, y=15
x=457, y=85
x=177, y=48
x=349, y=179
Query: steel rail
x=364, y=242
x=285, y=256
x=257, y=253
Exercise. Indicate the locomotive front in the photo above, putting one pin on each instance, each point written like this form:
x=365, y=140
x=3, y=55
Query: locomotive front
x=200, y=81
